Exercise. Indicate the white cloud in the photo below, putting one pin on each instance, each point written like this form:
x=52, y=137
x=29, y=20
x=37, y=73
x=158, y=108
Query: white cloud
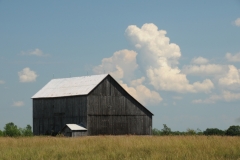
x=18, y=104
x=200, y=60
x=205, y=70
x=27, y=75
x=143, y=94
x=2, y=82
x=121, y=65
x=231, y=79
x=166, y=78
x=36, y=52
x=155, y=46
x=233, y=58
x=237, y=22
x=159, y=58
x=137, y=81
x=230, y=96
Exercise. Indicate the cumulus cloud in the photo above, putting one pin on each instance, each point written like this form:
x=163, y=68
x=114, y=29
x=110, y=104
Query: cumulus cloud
x=233, y=58
x=154, y=47
x=158, y=58
x=18, y=104
x=231, y=79
x=36, y=52
x=166, y=78
x=27, y=75
x=2, y=82
x=237, y=22
x=154, y=67
x=230, y=96
x=205, y=70
x=143, y=94
x=200, y=60
x=121, y=65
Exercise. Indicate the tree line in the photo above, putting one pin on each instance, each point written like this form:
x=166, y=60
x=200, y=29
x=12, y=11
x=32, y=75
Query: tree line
x=231, y=131
x=12, y=130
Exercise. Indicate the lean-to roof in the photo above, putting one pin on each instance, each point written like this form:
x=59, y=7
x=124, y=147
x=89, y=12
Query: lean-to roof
x=75, y=127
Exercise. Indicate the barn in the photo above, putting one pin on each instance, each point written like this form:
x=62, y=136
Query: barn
x=97, y=102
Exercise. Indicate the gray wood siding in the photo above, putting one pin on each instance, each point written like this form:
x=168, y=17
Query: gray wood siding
x=111, y=110
x=51, y=114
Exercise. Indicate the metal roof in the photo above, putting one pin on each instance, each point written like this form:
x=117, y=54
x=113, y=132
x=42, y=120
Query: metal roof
x=70, y=86
x=76, y=127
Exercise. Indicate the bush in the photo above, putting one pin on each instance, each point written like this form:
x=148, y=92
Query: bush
x=1, y=133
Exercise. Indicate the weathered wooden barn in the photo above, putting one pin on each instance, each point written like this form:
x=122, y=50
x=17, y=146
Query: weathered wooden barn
x=97, y=102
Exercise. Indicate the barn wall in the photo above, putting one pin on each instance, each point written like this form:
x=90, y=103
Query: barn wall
x=111, y=110
x=66, y=132
x=51, y=114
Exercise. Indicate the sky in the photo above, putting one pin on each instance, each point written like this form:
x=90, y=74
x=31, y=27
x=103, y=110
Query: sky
x=180, y=59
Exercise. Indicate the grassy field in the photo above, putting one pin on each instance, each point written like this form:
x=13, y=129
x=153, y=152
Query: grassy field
x=121, y=147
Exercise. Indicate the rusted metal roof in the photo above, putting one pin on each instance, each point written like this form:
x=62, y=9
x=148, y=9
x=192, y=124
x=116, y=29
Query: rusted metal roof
x=75, y=127
x=69, y=86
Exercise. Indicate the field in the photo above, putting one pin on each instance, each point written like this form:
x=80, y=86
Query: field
x=121, y=147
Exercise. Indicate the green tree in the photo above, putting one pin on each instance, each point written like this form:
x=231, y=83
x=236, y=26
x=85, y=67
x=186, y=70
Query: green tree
x=166, y=130
x=191, y=132
x=233, y=131
x=11, y=130
x=213, y=131
x=27, y=131
x=155, y=131
x=1, y=133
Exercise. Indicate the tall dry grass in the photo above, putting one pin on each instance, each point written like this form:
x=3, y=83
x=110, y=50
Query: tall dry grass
x=121, y=147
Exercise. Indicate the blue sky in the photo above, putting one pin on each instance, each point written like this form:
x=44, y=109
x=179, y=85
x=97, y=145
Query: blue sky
x=181, y=59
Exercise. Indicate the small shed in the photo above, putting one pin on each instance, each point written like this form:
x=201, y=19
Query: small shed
x=73, y=130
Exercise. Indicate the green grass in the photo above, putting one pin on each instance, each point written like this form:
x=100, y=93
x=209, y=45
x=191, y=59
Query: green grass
x=121, y=147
